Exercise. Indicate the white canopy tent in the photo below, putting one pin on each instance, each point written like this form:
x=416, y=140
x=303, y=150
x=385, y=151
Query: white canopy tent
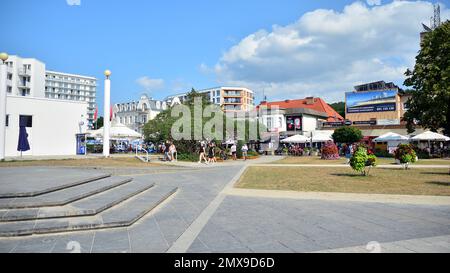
x=117, y=131
x=296, y=139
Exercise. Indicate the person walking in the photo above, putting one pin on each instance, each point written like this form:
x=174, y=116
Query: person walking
x=202, y=155
x=233, y=151
x=211, y=153
x=245, y=151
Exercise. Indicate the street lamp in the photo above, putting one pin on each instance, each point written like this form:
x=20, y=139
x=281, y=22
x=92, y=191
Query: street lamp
x=107, y=114
x=3, y=77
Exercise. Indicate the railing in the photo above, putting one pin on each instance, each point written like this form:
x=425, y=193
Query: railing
x=139, y=147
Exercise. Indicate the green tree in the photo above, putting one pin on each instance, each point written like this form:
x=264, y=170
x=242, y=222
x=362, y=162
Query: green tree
x=339, y=107
x=347, y=135
x=98, y=123
x=429, y=106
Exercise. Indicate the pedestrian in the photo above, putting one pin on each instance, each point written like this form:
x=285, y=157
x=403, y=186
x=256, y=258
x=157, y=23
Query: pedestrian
x=202, y=155
x=211, y=153
x=173, y=152
x=245, y=151
x=233, y=152
x=166, y=152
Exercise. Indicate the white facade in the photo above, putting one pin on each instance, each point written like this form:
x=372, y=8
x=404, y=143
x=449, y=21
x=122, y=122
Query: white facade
x=55, y=124
x=137, y=113
x=25, y=77
x=65, y=86
x=28, y=77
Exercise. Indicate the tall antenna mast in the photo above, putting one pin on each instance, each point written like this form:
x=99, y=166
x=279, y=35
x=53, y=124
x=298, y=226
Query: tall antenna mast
x=436, y=20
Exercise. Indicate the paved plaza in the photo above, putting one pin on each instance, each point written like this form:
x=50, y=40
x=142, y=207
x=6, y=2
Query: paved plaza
x=196, y=209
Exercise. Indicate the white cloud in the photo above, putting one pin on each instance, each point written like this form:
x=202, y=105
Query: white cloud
x=326, y=52
x=150, y=84
x=373, y=2
x=73, y=2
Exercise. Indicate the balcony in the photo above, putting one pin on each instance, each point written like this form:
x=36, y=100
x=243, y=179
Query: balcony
x=23, y=85
x=232, y=94
x=24, y=72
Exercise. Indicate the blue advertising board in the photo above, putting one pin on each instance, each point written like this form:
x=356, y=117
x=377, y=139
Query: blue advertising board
x=375, y=101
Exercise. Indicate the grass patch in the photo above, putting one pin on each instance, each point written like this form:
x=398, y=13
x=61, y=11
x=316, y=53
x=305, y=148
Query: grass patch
x=381, y=181
x=313, y=160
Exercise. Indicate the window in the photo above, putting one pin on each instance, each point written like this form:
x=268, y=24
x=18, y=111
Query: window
x=26, y=121
x=9, y=76
x=7, y=121
x=269, y=123
x=9, y=89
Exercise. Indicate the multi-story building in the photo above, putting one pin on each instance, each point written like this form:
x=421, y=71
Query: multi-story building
x=72, y=87
x=28, y=77
x=231, y=99
x=136, y=114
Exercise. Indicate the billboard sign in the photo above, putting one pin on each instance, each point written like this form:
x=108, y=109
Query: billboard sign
x=294, y=123
x=375, y=101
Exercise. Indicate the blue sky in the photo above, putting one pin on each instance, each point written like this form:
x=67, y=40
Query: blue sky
x=170, y=45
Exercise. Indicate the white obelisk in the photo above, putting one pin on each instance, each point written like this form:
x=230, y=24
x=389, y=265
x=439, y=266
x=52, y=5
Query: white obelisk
x=107, y=114
x=3, y=58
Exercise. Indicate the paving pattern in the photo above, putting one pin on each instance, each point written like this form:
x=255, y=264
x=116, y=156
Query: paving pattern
x=237, y=224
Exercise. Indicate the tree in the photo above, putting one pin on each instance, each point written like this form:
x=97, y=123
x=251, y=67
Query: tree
x=406, y=155
x=339, y=107
x=429, y=106
x=98, y=123
x=347, y=135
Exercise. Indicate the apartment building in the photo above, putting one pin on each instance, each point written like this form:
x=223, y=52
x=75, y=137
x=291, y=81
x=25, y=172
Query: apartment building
x=28, y=77
x=231, y=99
x=72, y=87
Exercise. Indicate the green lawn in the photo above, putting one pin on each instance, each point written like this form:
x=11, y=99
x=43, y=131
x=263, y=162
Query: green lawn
x=308, y=160
x=381, y=181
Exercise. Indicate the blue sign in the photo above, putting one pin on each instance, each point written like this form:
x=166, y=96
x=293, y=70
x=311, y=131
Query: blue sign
x=376, y=101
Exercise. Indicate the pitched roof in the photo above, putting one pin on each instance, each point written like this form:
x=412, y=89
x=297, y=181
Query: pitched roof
x=318, y=105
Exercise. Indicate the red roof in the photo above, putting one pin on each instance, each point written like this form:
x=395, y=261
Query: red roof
x=318, y=105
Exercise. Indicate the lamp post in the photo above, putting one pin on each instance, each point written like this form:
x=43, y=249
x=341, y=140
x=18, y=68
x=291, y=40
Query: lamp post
x=107, y=114
x=3, y=77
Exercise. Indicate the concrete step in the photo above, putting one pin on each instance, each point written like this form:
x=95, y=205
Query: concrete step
x=85, y=207
x=64, y=196
x=122, y=215
x=45, y=187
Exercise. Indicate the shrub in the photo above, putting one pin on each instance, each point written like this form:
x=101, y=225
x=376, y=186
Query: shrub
x=330, y=151
x=406, y=155
x=383, y=153
x=363, y=162
x=188, y=157
x=347, y=135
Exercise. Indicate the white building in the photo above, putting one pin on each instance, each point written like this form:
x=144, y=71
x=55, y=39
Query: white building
x=28, y=77
x=52, y=125
x=72, y=87
x=52, y=121
x=136, y=114
x=231, y=99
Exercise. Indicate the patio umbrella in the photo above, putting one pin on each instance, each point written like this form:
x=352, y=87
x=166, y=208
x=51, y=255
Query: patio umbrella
x=296, y=139
x=321, y=138
x=23, y=144
x=431, y=136
x=391, y=137
x=117, y=130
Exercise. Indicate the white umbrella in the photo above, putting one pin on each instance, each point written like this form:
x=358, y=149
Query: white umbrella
x=430, y=136
x=321, y=138
x=296, y=139
x=391, y=137
x=118, y=130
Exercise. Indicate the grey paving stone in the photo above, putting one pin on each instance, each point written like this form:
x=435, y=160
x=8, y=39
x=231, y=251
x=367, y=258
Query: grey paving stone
x=111, y=241
x=32, y=180
x=8, y=245
x=198, y=247
x=36, y=245
x=146, y=237
x=69, y=243
x=270, y=247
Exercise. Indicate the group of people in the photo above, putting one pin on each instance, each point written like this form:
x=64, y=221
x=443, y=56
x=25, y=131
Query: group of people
x=207, y=153
x=170, y=151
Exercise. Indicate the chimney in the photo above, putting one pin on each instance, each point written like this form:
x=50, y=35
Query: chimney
x=310, y=100
x=287, y=101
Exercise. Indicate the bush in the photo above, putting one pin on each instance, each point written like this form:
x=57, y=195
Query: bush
x=362, y=162
x=188, y=157
x=406, y=155
x=383, y=153
x=330, y=151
